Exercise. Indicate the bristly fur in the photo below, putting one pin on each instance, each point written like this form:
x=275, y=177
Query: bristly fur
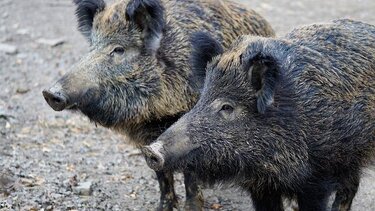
x=85, y=12
x=150, y=86
x=301, y=122
x=204, y=48
x=137, y=78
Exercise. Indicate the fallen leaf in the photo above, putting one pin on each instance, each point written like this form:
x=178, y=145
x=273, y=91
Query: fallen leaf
x=216, y=206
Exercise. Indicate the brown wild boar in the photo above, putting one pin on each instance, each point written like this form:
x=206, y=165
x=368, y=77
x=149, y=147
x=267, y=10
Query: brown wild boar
x=136, y=78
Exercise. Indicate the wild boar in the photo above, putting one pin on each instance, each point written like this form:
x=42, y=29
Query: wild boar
x=289, y=117
x=137, y=78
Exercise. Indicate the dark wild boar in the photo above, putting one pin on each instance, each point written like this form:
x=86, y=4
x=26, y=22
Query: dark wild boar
x=290, y=117
x=136, y=79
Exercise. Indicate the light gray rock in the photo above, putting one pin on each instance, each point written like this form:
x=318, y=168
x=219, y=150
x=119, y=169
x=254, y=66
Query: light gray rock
x=51, y=42
x=83, y=188
x=22, y=31
x=8, y=49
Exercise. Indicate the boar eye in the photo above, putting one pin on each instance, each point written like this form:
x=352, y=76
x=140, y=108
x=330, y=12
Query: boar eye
x=118, y=50
x=226, y=110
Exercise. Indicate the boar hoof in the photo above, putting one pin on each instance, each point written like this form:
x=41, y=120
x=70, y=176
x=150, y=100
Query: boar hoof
x=194, y=205
x=168, y=205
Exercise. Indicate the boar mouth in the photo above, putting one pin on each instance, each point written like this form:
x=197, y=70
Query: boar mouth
x=183, y=162
x=73, y=106
x=60, y=99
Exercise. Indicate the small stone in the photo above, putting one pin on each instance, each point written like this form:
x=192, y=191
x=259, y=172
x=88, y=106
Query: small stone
x=22, y=56
x=22, y=90
x=266, y=6
x=8, y=49
x=5, y=115
x=32, y=181
x=133, y=195
x=5, y=15
x=27, y=182
x=33, y=209
x=73, y=181
x=83, y=188
x=7, y=180
x=4, y=205
x=22, y=31
x=5, y=2
x=51, y=42
x=19, y=61
x=16, y=25
x=46, y=149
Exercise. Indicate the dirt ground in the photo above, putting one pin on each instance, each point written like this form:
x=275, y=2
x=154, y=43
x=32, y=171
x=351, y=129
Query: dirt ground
x=59, y=160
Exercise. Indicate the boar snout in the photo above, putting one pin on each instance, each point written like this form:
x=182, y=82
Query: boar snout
x=154, y=155
x=170, y=148
x=56, y=98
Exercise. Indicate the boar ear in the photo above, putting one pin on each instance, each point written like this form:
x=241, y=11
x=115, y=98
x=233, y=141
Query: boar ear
x=148, y=15
x=85, y=12
x=204, y=48
x=264, y=74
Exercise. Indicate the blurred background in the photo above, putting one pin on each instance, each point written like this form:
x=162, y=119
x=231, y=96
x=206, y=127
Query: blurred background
x=51, y=160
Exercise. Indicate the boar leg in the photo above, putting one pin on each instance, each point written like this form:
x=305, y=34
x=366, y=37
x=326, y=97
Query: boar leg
x=314, y=198
x=267, y=201
x=194, y=195
x=168, y=198
x=346, y=191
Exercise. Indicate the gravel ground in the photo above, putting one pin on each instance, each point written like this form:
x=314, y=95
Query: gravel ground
x=59, y=160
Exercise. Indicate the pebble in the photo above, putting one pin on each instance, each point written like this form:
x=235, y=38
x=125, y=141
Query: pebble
x=27, y=182
x=22, y=31
x=51, y=42
x=22, y=90
x=83, y=188
x=8, y=49
x=22, y=56
x=5, y=15
x=16, y=25
x=7, y=180
x=5, y=114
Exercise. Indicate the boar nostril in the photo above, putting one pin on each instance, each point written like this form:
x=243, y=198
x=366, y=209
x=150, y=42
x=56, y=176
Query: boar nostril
x=154, y=159
x=56, y=100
